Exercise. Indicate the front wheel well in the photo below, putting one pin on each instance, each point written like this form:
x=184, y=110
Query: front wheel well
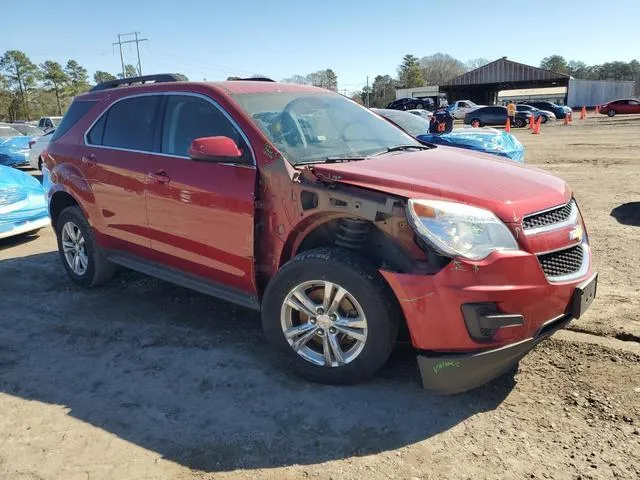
x=362, y=237
x=60, y=201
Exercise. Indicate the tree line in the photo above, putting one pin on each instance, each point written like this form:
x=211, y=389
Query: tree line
x=606, y=71
x=29, y=91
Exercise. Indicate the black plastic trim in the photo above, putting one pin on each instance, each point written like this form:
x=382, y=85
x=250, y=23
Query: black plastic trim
x=184, y=279
x=483, y=320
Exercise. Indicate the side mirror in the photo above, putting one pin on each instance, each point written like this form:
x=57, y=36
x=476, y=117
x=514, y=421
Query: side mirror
x=214, y=149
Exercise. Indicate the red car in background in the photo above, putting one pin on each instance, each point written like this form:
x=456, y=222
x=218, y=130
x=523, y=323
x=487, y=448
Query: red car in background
x=338, y=226
x=621, y=107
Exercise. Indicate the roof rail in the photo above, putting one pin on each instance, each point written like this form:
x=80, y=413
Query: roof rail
x=257, y=79
x=159, y=78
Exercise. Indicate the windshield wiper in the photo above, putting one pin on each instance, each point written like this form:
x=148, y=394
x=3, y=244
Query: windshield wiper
x=399, y=148
x=334, y=160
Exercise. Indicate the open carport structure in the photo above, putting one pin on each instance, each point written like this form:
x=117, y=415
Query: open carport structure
x=483, y=84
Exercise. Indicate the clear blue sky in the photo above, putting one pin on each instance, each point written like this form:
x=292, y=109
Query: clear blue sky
x=213, y=39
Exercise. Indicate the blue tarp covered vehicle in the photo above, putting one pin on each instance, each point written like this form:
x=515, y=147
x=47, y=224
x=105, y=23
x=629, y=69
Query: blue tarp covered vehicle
x=487, y=140
x=23, y=207
x=14, y=146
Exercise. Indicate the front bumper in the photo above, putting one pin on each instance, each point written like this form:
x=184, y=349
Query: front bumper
x=454, y=373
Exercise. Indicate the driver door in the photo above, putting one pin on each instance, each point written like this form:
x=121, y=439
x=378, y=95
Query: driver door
x=201, y=214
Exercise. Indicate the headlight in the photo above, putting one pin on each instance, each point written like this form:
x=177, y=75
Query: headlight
x=455, y=229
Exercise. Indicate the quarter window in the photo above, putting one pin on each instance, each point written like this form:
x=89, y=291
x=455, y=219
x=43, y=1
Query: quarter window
x=128, y=124
x=187, y=118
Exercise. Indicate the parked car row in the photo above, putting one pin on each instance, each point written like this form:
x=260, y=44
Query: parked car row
x=361, y=227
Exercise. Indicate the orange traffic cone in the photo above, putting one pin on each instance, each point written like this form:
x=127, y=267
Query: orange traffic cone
x=531, y=122
x=566, y=118
x=583, y=113
x=537, y=126
x=507, y=125
x=570, y=115
x=598, y=109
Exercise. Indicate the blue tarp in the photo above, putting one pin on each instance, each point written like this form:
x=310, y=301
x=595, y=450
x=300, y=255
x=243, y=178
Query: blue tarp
x=487, y=140
x=23, y=207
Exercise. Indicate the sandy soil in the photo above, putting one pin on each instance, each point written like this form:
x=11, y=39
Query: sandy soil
x=141, y=379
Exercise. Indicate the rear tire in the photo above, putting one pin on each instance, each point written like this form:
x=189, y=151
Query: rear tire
x=476, y=123
x=611, y=113
x=519, y=123
x=366, y=307
x=81, y=256
x=545, y=119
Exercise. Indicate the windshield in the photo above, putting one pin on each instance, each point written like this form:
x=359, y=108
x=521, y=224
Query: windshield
x=26, y=129
x=410, y=123
x=7, y=131
x=316, y=126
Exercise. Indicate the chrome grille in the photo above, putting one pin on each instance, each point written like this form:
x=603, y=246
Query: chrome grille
x=10, y=195
x=563, y=263
x=549, y=218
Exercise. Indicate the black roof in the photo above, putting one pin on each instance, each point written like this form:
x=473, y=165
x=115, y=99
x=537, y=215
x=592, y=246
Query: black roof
x=506, y=71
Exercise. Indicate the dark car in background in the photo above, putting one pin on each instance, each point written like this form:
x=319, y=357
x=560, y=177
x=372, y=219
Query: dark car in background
x=495, y=115
x=410, y=103
x=621, y=107
x=560, y=111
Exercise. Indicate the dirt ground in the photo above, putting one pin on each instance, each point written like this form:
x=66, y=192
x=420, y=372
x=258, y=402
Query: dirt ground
x=141, y=379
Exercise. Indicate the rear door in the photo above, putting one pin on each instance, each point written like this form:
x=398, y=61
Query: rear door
x=201, y=214
x=116, y=161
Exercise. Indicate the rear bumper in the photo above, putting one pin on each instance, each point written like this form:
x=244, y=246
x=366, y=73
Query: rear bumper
x=24, y=226
x=455, y=373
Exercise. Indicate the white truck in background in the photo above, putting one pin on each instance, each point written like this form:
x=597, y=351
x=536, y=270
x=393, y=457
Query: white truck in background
x=461, y=107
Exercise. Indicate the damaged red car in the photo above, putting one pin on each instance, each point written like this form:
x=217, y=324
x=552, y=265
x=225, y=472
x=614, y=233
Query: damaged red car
x=340, y=228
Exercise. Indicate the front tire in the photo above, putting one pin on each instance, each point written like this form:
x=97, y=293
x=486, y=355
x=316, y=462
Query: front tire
x=476, y=123
x=519, y=123
x=81, y=256
x=611, y=113
x=331, y=316
x=545, y=119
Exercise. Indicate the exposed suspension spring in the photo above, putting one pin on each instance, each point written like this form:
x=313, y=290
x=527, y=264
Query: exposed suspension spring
x=352, y=233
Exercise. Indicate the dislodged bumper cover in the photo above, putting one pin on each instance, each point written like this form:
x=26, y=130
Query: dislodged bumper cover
x=455, y=373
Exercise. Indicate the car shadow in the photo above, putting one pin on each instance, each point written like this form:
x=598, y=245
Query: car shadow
x=627, y=214
x=17, y=240
x=191, y=378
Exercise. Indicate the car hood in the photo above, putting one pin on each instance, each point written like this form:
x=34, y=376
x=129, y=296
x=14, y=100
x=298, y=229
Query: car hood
x=508, y=189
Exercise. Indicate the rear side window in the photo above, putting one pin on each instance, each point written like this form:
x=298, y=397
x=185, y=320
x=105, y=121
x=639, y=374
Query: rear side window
x=127, y=124
x=187, y=118
x=77, y=110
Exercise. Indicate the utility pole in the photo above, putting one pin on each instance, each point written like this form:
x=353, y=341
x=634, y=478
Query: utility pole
x=137, y=42
x=367, y=90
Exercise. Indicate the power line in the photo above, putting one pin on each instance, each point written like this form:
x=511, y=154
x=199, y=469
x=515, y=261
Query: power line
x=137, y=41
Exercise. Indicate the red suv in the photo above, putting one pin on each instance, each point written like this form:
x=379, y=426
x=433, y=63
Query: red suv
x=339, y=227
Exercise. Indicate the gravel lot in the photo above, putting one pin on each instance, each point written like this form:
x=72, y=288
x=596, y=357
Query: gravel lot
x=142, y=379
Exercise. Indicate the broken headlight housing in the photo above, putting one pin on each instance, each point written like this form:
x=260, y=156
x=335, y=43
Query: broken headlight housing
x=459, y=230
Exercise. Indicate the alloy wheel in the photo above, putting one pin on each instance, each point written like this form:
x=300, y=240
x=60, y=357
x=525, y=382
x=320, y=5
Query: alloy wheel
x=323, y=323
x=73, y=247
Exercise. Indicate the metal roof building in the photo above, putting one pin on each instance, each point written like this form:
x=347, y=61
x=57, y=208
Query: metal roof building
x=483, y=84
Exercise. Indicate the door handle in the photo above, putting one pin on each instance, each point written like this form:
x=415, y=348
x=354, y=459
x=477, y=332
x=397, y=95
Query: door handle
x=160, y=176
x=89, y=160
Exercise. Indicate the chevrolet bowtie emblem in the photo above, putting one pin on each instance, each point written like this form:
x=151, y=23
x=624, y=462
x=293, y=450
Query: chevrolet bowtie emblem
x=576, y=233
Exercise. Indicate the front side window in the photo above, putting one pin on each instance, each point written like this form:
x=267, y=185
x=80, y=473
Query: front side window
x=128, y=124
x=187, y=118
x=315, y=126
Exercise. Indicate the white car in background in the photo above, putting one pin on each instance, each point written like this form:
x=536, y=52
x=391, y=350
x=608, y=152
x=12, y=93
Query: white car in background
x=461, y=107
x=49, y=123
x=36, y=146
